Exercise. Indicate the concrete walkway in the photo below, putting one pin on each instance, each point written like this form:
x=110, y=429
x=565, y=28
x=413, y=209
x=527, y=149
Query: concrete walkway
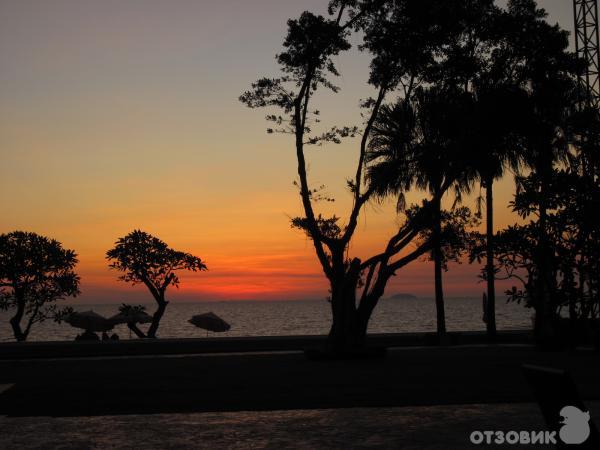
x=282, y=381
x=431, y=427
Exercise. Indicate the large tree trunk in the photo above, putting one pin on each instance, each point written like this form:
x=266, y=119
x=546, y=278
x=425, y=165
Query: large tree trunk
x=162, y=306
x=15, y=322
x=490, y=272
x=437, y=263
x=344, y=334
x=350, y=332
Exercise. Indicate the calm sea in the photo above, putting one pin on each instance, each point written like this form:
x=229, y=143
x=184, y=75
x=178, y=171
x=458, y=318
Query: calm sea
x=280, y=318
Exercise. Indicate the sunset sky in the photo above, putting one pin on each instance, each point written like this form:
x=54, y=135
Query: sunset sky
x=123, y=114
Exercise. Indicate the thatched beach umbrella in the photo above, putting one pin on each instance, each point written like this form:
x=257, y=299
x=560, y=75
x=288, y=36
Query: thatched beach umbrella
x=131, y=316
x=210, y=322
x=89, y=320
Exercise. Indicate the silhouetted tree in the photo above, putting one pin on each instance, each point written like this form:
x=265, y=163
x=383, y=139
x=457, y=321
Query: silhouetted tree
x=35, y=272
x=498, y=126
x=525, y=96
x=404, y=38
x=422, y=142
x=571, y=238
x=488, y=58
x=148, y=260
x=472, y=70
x=573, y=249
x=581, y=203
x=497, y=86
x=551, y=73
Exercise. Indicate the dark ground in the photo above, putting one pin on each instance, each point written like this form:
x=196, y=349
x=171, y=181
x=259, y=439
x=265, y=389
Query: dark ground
x=277, y=381
x=446, y=427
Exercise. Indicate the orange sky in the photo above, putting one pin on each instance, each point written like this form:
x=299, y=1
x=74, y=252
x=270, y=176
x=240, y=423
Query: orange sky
x=117, y=115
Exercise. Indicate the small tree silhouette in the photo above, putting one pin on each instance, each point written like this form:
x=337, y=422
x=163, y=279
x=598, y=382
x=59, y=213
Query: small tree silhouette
x=35, y=272
x=146, y=259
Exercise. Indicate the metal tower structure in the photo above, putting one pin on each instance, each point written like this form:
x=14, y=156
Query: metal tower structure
x=587, y=45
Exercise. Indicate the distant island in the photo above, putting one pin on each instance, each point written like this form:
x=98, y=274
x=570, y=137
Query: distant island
x=402, y=296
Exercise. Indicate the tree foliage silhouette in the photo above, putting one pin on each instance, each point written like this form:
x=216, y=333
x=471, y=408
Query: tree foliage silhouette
x=421, y=142
x=464, y=91
x=145, y=259
x=403, y=39
x=550, y=70
x=573, y=250
x=551, y=254
x=35, y=272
